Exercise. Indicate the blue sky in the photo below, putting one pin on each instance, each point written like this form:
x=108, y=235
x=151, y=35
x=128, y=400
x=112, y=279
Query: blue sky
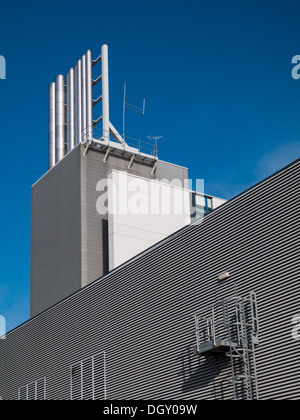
x=216, y=77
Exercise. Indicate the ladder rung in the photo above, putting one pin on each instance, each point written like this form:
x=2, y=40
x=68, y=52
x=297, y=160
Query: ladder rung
x=243, y=377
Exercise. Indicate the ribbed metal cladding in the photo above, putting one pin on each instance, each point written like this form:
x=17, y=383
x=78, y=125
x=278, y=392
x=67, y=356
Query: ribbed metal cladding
x=51, y=122
x=139, y=313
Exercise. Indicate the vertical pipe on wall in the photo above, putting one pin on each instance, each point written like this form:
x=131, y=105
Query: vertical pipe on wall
x=51, y=125
x=70, y=110
x=60, y=117
x=89, y=95
x=83, y=97
x=105, y=92
x=78, y=124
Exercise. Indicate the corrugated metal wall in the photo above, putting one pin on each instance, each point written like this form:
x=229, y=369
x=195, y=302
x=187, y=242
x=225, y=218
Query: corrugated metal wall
x=139, y=314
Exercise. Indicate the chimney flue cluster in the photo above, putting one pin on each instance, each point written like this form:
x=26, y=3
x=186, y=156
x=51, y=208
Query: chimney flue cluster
x=71, y=106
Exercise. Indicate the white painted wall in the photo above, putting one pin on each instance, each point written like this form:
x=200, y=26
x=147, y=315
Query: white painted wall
x=216, y=202
x=141, y=213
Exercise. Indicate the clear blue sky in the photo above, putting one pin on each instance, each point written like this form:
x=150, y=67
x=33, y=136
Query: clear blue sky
x=216, y=77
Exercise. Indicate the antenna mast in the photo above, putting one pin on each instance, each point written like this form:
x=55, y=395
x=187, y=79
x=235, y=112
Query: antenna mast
x=131, y=108
x=155, y=138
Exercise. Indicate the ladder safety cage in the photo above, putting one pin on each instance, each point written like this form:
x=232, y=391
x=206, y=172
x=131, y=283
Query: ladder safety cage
x=230, y=327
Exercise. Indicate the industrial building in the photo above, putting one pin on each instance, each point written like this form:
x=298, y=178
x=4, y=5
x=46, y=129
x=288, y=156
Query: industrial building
x=197, y=302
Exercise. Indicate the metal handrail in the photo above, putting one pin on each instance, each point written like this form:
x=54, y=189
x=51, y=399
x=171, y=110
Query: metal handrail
x=98, y=134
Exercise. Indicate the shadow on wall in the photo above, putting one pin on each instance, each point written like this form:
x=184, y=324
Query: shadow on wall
x=200, y=372
x=105, y=246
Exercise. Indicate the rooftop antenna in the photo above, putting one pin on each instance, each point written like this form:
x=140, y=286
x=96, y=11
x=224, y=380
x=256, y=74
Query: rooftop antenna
x=131, y=108
x=155, y=138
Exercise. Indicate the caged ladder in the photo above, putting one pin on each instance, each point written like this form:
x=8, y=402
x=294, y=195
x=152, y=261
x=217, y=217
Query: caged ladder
x=230, y=326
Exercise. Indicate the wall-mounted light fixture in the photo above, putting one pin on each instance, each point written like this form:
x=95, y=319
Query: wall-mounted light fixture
x=224, y=276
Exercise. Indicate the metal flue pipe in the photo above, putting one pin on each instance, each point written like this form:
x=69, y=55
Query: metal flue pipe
x=60, y=117
x=83, y=97
x=51, y=125
x=89, y=95
x=105, y=92
x=70, y=111
x=71, y=107
x=78, y=122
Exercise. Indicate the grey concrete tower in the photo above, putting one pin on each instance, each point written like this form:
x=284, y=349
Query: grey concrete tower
x=69, y=239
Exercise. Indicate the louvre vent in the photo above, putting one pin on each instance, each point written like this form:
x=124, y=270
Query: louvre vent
x=33, y=391
x=87, y=378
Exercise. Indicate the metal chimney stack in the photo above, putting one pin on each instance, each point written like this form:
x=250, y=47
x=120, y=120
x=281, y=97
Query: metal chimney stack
x=89, y=95
x=105, y=95
x=78, y=124
x=51, y=125
x=70, y=110
x=83, y=98
x=71, y=107
x=60, y=117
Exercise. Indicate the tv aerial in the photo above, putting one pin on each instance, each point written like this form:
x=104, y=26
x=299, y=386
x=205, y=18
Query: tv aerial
x=155, y=140
x=131, y=108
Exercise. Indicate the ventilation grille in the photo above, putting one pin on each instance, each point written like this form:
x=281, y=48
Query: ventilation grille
x=88, y=378
x=33, y=391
